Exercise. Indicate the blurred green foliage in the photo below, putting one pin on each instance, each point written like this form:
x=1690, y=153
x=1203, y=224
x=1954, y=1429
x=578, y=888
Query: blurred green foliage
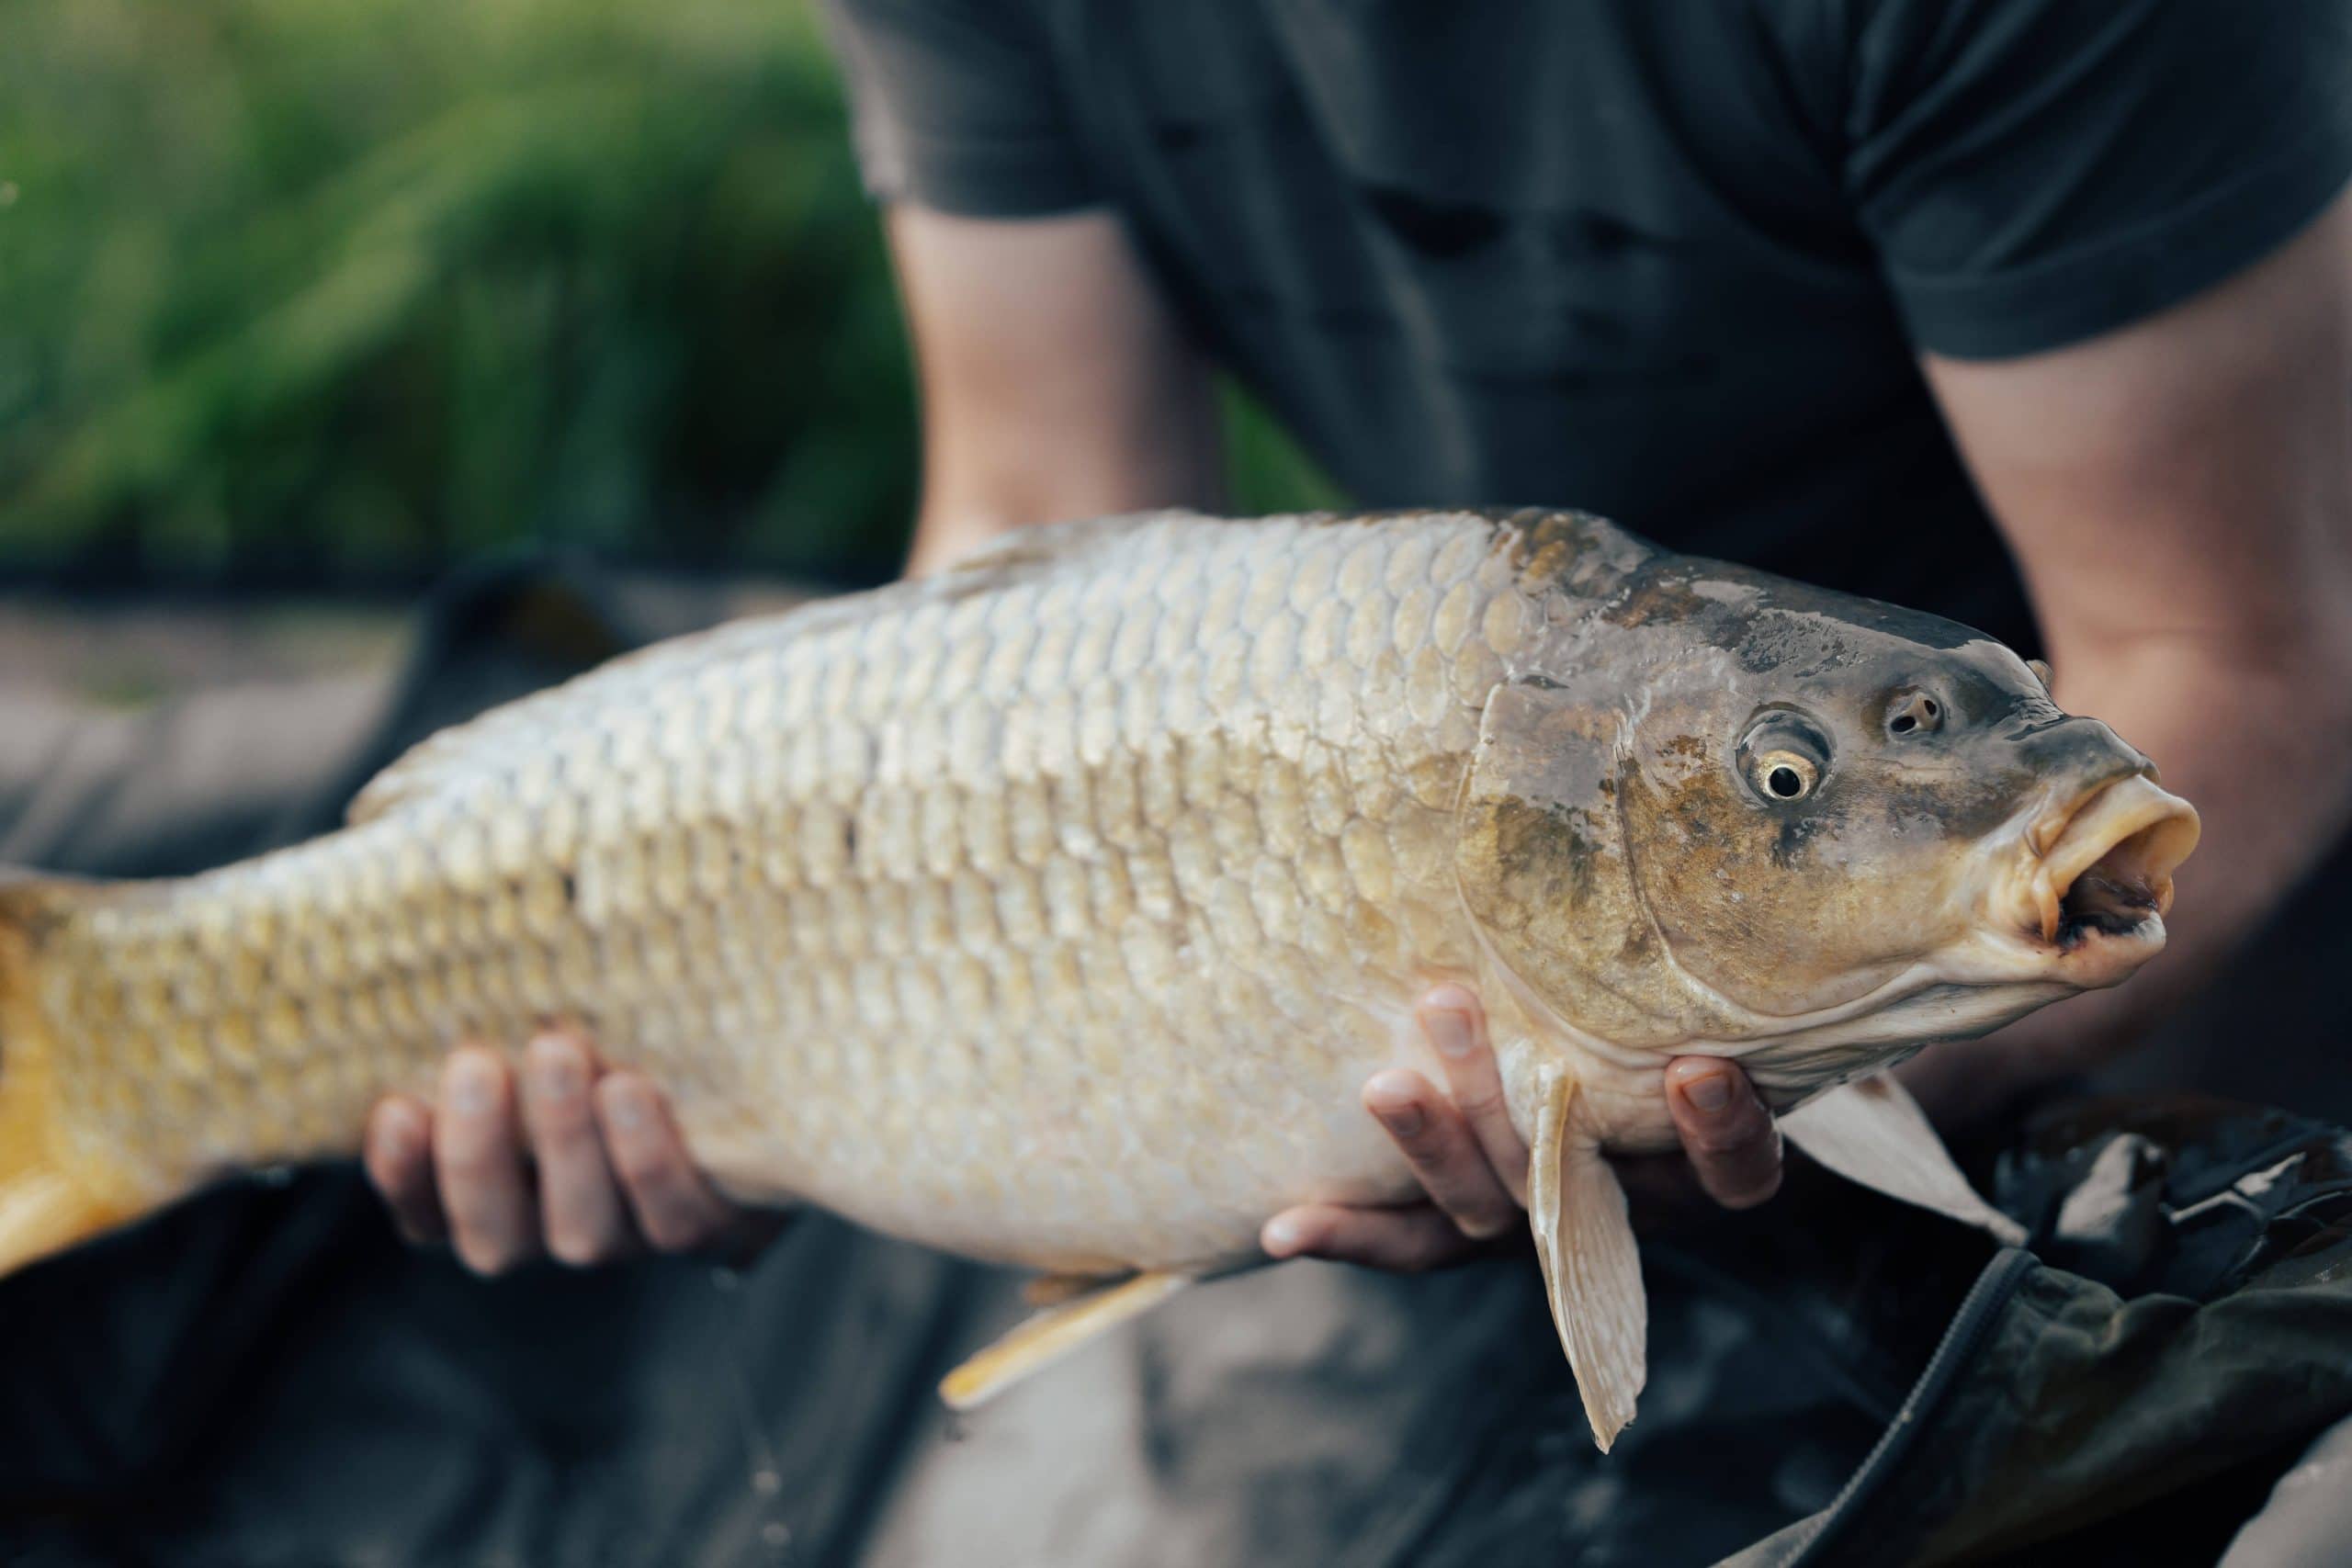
x=330, y=293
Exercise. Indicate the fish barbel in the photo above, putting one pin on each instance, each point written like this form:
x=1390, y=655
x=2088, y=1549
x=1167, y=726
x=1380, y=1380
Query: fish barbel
x=1055, y=910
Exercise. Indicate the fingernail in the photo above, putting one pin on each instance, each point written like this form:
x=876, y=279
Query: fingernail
x=1449, y=1031
x=1402, y=1120
x=471, y=1087
x=395, y=1135
x=1392, y=1093
x=1282, y=1236
x=630, y=1110
x=1709, y=1093
x=555, y=1070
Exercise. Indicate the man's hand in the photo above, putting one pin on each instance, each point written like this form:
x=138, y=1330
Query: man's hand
x=577, y=1161
x=1473, y=1164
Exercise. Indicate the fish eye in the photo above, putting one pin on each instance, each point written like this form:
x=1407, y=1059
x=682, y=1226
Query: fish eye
x=1783, y=758
x=1914, y=713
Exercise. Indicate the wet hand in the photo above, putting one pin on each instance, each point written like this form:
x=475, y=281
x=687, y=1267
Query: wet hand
x=1472, y=1163
x=568, y=1159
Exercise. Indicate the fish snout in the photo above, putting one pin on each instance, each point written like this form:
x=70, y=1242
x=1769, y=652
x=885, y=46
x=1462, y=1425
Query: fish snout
x=2094, y=874
x=2082, y=751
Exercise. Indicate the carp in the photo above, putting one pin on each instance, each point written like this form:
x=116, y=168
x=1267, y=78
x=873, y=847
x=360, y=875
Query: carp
x=1054, y=910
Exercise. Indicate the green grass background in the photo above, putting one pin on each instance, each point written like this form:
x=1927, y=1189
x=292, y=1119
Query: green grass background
x=332, y=294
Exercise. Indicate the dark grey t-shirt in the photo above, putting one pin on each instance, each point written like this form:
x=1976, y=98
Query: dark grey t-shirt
x=1667, y=260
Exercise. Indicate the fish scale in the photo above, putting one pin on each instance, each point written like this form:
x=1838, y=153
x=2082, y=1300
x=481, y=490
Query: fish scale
x=934, y=912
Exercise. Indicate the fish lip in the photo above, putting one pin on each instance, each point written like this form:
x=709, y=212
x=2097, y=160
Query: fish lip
x=2091, y=864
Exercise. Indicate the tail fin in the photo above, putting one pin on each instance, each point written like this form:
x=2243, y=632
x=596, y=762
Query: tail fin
x=49, y=1200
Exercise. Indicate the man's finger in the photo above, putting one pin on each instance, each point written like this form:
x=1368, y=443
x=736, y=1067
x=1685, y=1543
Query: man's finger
x=478, y=1155
x=1456, y=1027
x=1732, y=1144
x=1406, y=1240
x=398, y=1154
x=1444, y=1154
x=581, y=1207
x=675, y=1206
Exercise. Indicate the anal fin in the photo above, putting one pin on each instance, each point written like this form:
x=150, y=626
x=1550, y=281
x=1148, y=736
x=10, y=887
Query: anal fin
x=1592, y=1268
x=1873, y=1132
x=1054, y=1333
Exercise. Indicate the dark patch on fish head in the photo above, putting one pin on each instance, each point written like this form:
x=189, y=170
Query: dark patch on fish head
x=1569, y=555
x=1766, y=621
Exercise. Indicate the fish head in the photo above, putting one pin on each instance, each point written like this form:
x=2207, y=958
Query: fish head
x=1789, y=816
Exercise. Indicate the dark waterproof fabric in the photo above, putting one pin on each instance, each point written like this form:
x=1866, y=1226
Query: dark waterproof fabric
x=2134, y=1415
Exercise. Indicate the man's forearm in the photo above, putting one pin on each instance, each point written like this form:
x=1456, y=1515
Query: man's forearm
x=943, y=536
x=1056, y=382
x=2178, y=496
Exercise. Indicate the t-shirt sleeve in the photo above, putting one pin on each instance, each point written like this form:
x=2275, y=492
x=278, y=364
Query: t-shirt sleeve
x=2037, y=172
x=955, y=106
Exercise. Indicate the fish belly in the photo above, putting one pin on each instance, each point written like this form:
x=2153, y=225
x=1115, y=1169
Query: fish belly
x=1055, y=909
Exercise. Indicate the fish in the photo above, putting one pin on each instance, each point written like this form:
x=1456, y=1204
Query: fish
x=1054, y=909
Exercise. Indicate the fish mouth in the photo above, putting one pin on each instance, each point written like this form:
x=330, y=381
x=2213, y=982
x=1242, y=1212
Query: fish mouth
x=2097, y=881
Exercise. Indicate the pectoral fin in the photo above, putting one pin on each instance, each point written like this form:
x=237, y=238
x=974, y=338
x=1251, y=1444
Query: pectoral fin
x=1054, y=1333
x=1873, y=1131
x=1591, y=1266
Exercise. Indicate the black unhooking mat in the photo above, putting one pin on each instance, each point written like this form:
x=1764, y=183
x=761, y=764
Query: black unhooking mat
x=266, y=1376
x=2137, y=1410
